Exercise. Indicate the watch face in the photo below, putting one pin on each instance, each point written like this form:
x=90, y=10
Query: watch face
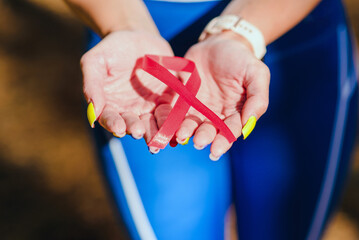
x=221, y=23
x=211, y=26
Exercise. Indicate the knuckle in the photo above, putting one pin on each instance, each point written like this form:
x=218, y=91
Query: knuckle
x=259, y=70
x=264, y=71
x=86, y=91
x=85, y=58
x=263, y=105
x=162, y=110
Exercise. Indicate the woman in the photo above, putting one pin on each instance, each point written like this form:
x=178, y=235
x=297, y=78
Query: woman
x=285, y=178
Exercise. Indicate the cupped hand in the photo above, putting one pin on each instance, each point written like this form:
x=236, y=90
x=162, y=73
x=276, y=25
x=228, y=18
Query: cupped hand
x=235, y=85
x=124, y=100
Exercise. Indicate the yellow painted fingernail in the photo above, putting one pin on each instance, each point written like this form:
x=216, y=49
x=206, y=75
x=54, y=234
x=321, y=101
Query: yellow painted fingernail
x=248, y=128
x=185, y=141
x=91, y=116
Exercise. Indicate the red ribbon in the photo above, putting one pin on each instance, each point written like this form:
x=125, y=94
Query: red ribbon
x=158, y=67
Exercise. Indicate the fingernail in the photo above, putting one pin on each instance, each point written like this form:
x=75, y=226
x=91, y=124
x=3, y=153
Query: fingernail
x=214, y=158
x=248, y=128
x=173, y=143
x=120, y=136
x=183, y=142
x=137, y=137
x=154, y=150
x=91, y=116
x=199, y=147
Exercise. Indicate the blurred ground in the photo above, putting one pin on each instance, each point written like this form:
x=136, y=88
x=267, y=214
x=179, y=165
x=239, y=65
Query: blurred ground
x=50, y=186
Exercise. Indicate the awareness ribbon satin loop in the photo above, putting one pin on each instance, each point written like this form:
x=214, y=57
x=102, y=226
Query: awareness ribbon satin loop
x=158, y=66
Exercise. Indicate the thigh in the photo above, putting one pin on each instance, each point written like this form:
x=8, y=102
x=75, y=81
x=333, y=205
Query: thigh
x=176, y=194
x=289, y=173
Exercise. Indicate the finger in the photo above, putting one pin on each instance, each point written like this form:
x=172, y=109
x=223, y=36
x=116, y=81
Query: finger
x=134, y=125
x=161, y=113
x=191, y=121
x=151, y=129
x=220, y=144
x=187, y=128
x=204, y=135
x=257, y=99
x=113, y=122
x=94, y=72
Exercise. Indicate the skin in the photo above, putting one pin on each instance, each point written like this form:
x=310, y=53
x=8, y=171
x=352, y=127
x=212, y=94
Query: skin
x=121, y=101
x=235, y=93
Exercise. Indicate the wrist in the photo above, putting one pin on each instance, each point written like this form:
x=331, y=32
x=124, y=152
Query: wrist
x=133, y=27
x=229, y=35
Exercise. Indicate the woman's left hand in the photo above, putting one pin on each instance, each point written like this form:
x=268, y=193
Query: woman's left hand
x=235, y=85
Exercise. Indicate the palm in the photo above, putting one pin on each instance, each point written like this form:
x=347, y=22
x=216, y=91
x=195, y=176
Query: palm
x=222, y=71
x=222, y=90
x=123, y=89
x=113, y=86
x=234, y=83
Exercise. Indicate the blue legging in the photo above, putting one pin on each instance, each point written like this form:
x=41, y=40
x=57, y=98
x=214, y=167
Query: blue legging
x=285, y=179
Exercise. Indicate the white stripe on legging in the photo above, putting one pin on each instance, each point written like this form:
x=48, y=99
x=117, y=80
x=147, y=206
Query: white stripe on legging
x=346, y=85
x=130, y=190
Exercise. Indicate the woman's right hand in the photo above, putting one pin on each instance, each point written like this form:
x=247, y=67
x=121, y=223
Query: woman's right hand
x=124, y=101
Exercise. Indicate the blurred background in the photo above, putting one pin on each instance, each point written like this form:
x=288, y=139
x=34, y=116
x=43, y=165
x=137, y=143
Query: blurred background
x=50, y=185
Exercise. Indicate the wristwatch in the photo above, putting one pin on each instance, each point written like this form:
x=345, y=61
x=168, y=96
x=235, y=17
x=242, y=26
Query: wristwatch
x=239, y=26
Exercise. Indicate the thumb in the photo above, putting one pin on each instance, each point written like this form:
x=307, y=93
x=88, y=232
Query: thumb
x=94, y=72
x=257, y=99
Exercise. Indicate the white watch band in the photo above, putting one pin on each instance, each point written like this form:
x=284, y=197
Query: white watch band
x=239, y=26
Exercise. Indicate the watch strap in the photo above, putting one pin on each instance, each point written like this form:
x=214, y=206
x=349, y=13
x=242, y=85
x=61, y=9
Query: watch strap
x=239, y=26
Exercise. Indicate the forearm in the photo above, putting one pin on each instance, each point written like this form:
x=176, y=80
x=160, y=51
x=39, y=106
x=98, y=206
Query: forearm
x=107, y=16
x=272, y=17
